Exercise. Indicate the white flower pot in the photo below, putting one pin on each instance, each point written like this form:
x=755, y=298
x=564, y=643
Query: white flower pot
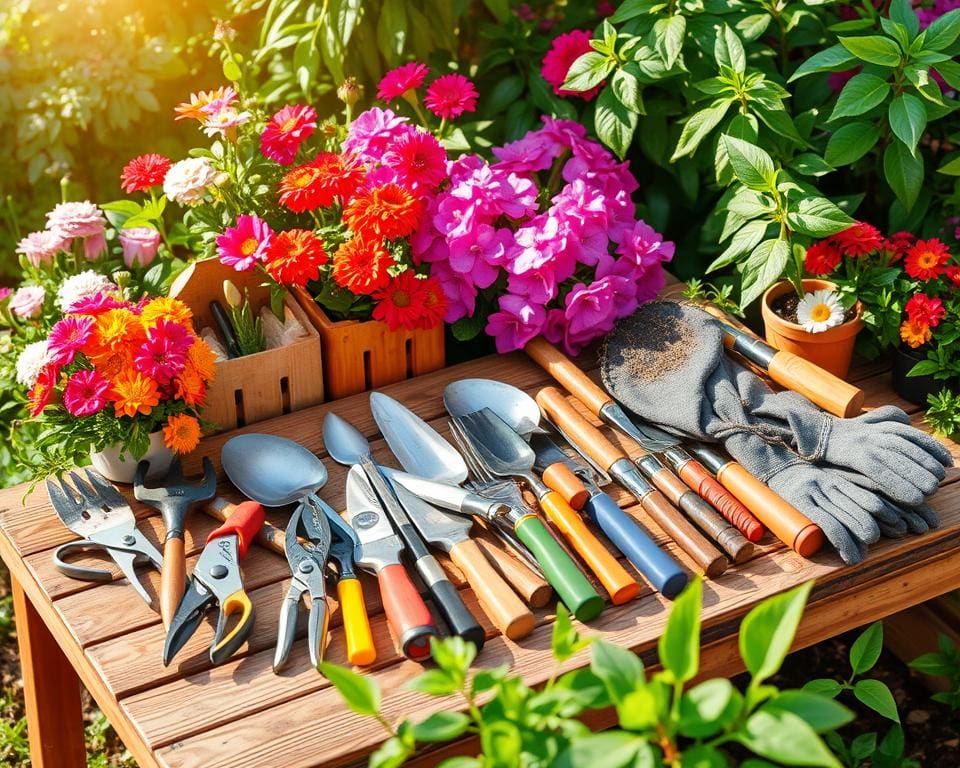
x=118, y=465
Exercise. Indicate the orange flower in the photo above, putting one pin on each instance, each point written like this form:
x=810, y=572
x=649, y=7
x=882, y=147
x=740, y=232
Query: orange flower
x=198, y=101
x=915, y=334
x=134, y=393
x=116, y=328
x=189, y=386
x=110, y=362
x=166, y=308
x=927, y=259
x=361, y=266
x=182, y=433
x=295, y=257
x=390, y=211
x=201, y=360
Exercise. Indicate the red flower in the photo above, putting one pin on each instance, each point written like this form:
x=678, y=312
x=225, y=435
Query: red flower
x=295, y=257
x=319, y=183
x=858, y=240
x=389, y=211
x=927, y=259
x=953, y=275
x=43, y=388
x=822, y=258
x=361, y=265
x=925, y=310
x=286, y=130
x=434, y=304
x=144, y=172
x=397, y=82
x=898, y=244
x=564, y=50
x=401, y=302
x=450, y=96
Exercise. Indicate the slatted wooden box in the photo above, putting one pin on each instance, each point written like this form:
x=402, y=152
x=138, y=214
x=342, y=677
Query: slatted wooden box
x=260, y=386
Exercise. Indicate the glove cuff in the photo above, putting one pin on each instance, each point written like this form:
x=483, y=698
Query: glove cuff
x=811, y=434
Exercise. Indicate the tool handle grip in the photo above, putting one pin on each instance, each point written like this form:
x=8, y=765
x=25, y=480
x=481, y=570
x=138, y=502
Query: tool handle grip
x=173, y=578
x=785, y=522
x=719, y=530
x=534, y=590
x=245, y=522
x=407, y=614
x=227, y=331
x=821, y=387
x=446, y=597
x=560, y=478
x=620, y=585
x=587, y=437
x=505, y=609
x=361, y=650
x=682, y=531
x=268, y=536
x=696, y=476
x=565, y=371
x=661, y=570
x=571, y=585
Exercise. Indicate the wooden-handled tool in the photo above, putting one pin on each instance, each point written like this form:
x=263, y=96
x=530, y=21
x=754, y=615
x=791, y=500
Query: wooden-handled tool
x=268, y=536
x=591, y=442
x=821, y=387
x=535, y=591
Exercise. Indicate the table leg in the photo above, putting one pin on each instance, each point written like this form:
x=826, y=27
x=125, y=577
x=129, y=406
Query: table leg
x=51, y=689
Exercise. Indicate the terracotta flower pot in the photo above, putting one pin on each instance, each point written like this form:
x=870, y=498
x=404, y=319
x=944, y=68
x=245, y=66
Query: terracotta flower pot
x=832, y=349
x=118, y=465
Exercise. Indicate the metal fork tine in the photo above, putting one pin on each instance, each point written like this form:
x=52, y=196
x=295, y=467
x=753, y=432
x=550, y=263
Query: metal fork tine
x=107, y=492
x=90, y=496
x=63, y=501
x=466, y=449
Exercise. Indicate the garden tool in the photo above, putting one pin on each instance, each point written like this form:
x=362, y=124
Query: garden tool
x=652, y=440
x=174, y=499
x=504, y=453
x=217, y=583
x=682, y=377
x=222, y=320
x=94, y=510
x=589, y=440
x=276, y=471
x=347, y=446
x=425, y=454
x=380, y=548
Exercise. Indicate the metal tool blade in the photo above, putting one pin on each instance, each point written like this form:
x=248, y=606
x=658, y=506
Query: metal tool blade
x=451, y=497
x=380, y=544
x=650, y=438
x=439, y=528
x=510, y=403
x=343, y=441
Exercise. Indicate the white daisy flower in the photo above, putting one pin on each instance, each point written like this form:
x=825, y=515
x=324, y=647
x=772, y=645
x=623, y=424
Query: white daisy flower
x=819, y=311
x=31, y=362
x=81, y=286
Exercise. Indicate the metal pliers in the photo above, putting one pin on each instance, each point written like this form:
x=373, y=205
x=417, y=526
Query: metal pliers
x=216, y=581
x=97, y=511
x=314, y=534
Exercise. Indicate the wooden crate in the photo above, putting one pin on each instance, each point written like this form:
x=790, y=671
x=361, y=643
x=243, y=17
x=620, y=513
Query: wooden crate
x=260, y=386
x=363, y=355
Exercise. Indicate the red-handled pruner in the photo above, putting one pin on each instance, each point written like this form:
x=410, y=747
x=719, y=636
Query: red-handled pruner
x=216, y=580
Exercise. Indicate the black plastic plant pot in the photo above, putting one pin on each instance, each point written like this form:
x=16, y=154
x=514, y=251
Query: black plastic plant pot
x=913, y=389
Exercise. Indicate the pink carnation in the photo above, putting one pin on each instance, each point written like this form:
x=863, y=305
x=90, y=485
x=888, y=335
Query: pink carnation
x=40, y=247
x=99, y=302
x=286, y=131
x=70, y=220
x=449, y=96
x=163, y=354
x=418, y=160
x=85, y=393
x=139, y=245
x=564, y=50
x=27, y=301
x=67, y=338
x=397, y=82
x=243, y=245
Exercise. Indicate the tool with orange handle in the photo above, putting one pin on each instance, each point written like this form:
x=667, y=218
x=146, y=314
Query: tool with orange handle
x=216, y=581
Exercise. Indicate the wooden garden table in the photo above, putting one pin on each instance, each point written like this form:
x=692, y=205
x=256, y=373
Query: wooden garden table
x=241, y=714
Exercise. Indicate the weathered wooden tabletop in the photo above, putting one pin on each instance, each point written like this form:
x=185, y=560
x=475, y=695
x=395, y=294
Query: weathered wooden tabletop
x=242, y=714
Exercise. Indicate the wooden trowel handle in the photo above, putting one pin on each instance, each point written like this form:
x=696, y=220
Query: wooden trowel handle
x=567, y=373
x=505, y=609
x=173, y=578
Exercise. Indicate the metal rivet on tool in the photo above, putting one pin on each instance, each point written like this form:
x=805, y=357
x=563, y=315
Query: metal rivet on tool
x=306, y=566
x=128, y=540
x=218, y=571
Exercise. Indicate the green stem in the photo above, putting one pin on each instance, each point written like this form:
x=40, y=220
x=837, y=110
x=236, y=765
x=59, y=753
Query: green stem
x=159, y=222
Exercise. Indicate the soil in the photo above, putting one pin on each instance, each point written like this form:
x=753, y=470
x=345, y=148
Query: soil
x=648, y=345
x=786, y=307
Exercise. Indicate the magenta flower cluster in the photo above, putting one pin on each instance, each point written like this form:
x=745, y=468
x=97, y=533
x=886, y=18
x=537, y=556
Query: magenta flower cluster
x=549, y=233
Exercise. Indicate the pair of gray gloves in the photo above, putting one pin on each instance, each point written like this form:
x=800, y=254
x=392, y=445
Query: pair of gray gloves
x=856, y=478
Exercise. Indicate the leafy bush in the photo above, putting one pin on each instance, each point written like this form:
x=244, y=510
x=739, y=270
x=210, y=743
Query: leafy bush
x=944, y=663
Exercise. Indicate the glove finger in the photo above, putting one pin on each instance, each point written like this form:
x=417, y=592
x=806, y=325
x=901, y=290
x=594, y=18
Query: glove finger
x=884, y=414
x=903, y=450
x=915, y=523
x=850, y=549
x=855, y=496
x=897, y=531
x=855, y=518
x=922, y=440
x=929, y=515
x=893, y=486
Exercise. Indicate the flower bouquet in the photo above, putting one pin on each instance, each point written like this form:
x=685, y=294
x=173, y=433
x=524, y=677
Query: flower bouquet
x=543, y=241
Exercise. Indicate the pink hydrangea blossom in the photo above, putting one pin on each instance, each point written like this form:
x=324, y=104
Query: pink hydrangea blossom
x=564, y=50
x=460, y=290
x=449, y=96
x=244, y=244
x=373, y=131
x=27, y=301
x=40, y=247
x=397, y=82
x=85, y=393
x=518, y=321
x=67, y=337
x=140, y=245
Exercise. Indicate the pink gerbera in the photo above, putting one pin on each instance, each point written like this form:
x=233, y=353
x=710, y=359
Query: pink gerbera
x=245, y=244
x=450, y=96
x=397, y=82
x=85, y=393
x=164, y=353
x=94, y=305
x=418, y=159
x=67, y=338
x=286, y=131
x=564, y=50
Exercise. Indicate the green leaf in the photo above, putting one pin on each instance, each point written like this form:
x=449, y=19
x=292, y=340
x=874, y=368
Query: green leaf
x=501, y=740
x=824, y=686
x=836, y=58
x=761, y=270
x=866, y=649
x=668, y=37
x=704, y=756
x=851, y=142
x=434, y=682
x=744, y=240
x=924, y=368
x=391, y=754
x=951, y=167
x=588, y=71
x=904, y=172
x=231, y=70
x=679, y=646
x=876, y=695
x=615, y=749
x=751, y=27
x=908, y=119
x=359, y=692
x=786, y=738
x=708, y=708
x=820, y=712
x=768, y=630
x=729, y=50
x=818, y=217
x=566, y=641
x=874, y=49
x=620, y=670
x=627, y=89
x=639, y=711
x=698, y=127
x=614, y=123
x=931, y=664
x=751, y=165
x=942, y=32
x=901, y=11
x=441, y=726
x=809, y=164
x=778, y=121
x=862, y=93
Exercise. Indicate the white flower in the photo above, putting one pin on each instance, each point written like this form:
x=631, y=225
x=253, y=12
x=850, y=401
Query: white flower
x=819, y=311
x=31, y=362
x=187, y=181
x=81, y=286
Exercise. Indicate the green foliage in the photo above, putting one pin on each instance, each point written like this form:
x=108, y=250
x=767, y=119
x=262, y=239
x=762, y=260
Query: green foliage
x=943, y=412
x=700, y=292
x=944, y=663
